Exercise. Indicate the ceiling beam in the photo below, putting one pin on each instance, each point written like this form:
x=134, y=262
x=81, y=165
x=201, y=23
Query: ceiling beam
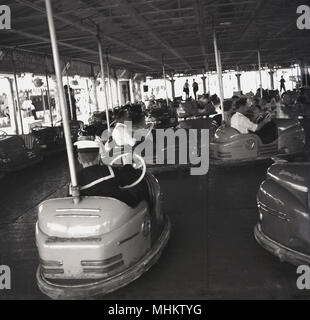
x=76, y=48
x=143, y=23
x=86, y=28
x=200, y=16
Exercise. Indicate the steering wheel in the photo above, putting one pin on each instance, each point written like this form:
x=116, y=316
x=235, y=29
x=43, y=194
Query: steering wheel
x=142, y=162
x=3, y=134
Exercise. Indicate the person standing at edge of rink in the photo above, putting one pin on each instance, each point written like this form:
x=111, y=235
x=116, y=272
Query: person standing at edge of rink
x=195, y=88
x=282, y=84
x=186, y=89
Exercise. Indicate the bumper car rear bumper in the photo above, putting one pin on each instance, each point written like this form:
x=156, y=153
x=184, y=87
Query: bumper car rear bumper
x=109, y=284
x=282, y=252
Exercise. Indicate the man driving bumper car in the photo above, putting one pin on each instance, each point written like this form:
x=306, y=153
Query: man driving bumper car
x=97, y=179
x=265, y=128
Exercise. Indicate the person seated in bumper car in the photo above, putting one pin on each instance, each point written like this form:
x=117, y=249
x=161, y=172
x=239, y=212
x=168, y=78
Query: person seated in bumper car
x=96, y=179
x=265, y=128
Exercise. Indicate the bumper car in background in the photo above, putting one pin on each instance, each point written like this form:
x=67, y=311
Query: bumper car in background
x=187, y=109
x=97, y=123
x=18, y=152
x=229, y=147
x=284, y=212
x=100, y=244
x=51, y=139
x=161, y=115
x=195, y=109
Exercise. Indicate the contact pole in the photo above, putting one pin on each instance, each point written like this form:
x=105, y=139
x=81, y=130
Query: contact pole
x=48, y=98
x=219, y=74
x=17, y=98
x=165, y=80
x=103, y=81
x=74, y=183
x=260, y=73
x=109, y=80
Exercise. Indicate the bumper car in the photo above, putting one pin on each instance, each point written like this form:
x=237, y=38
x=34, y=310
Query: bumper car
x=100, y=244
x=18, y=152
x=284, y=212
x=187, y=109
x=164, y=155
x=229, y=147
x=162, y=116
x=51, y=139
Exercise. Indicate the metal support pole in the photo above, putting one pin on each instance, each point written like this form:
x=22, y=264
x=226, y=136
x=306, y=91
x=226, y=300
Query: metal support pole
x=88, y=97
x=49, y=98
x=219, y=74
x=260, y=74
x=172, y=87
x=238, y=75
x=165, y=80
x=44, y=106
x=271, y=73
x=17, y=99
x=109, y=81
x=103, y=81
x=12, y=106
x=203, y=78
x=74, y=183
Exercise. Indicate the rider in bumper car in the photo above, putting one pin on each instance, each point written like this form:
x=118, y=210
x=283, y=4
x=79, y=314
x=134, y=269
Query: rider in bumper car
x=96, y=179
x=265, y=128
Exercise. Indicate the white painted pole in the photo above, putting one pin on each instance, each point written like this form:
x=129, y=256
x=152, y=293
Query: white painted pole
x=17, y=99
x=49, y=98
x=219, y=74
x=103, y=81
x=260, y=73
x=165, y=81
x=65, y=119
x=109, y=82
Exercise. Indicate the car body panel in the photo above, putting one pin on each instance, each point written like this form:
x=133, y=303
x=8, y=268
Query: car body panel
x=283, y=204
x=100, y=241
x=228, y=146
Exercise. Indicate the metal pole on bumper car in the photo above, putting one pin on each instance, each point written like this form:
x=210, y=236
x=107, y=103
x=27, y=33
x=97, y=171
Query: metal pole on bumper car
x=219, y=74
x=260, y=73
x=74, y=183
x=103, y=80
x=164, y=76
x=109, y=80
x=49, y=98
x=17, y=97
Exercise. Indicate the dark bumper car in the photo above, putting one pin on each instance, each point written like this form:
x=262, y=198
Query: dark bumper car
x=18, y=152
x=284, y=212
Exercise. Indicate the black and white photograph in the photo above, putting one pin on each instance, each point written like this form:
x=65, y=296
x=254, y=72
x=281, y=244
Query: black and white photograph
x=155, y=150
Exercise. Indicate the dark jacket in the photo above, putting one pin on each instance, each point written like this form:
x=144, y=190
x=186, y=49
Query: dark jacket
x=106, y=181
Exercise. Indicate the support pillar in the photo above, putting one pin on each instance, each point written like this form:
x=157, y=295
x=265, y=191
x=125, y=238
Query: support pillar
x=94, y=93
x=271, y=73
x=204, y=84
x=238, y=75
x=172, y=88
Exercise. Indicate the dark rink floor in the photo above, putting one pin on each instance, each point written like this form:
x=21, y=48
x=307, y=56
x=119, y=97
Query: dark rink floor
x=212, y=253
